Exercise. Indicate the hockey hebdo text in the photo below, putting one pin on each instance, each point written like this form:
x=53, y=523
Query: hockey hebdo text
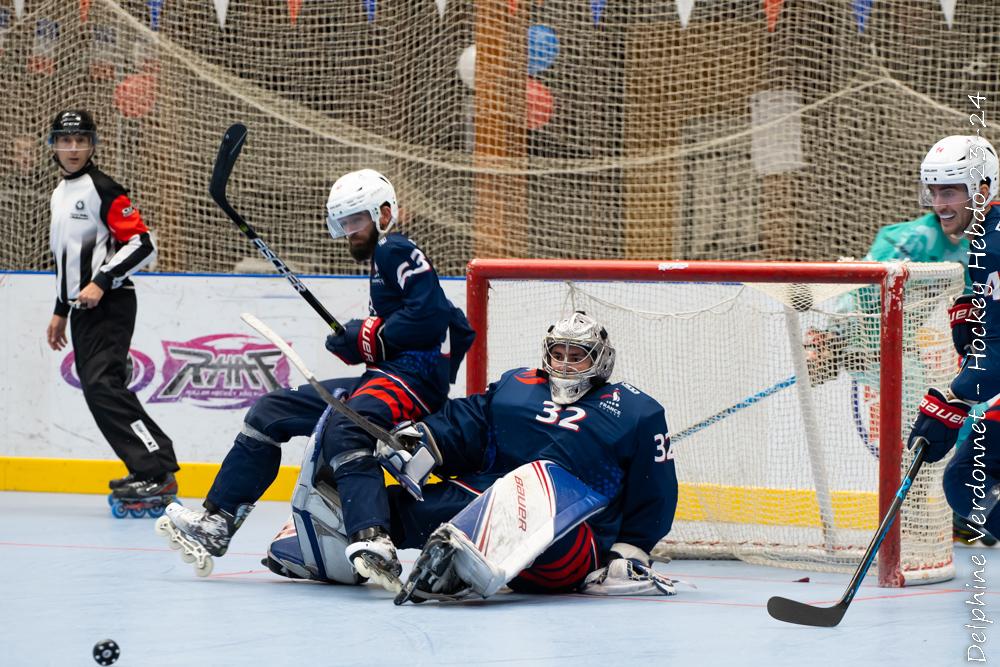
x=978, y=622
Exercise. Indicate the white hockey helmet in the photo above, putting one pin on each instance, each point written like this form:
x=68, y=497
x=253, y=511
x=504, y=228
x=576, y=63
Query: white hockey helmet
x=584, y=332
x=962, y=159
x=355, y=199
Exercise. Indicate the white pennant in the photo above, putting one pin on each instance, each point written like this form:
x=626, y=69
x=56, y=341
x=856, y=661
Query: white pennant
x=221, y=7
x=684, y=8
x=441, y=5
x=18, y=8
x=948, y=7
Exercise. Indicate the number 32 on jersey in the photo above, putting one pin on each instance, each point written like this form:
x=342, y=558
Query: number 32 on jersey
x=563, y=416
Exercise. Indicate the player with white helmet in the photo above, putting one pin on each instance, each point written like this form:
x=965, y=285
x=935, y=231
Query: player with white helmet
x=410, y=344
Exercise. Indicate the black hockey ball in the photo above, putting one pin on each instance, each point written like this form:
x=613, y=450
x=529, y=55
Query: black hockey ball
x=106, y=652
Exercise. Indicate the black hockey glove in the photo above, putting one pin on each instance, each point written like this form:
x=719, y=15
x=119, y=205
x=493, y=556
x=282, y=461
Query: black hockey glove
x=938, y=422
x=359, y=342
x=964, y=315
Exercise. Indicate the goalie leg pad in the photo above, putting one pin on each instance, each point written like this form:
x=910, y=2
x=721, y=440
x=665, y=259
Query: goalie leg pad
x=506, y=528
x=313, y=548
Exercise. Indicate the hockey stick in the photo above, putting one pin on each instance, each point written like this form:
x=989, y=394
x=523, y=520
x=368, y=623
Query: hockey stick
x=745, y=403
x=374, y=430
x=229, y=150
x=791, y=611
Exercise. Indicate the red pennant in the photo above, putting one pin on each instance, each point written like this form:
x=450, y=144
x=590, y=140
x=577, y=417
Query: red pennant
x=771, y=9
x=293, y=9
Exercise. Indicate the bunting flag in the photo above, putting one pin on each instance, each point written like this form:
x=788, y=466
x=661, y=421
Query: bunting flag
x=370, y=10
x=18, y=8
x=441, y=5
x=84, y=10
x=597, y=9
x=948, y=7
x=771, y=9
x=684, y=8
x=861, y=10
x=221, y=7
x=155, y=7
x=293, y=9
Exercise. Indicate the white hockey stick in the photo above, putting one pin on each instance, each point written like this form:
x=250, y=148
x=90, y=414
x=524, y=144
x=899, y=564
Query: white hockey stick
x=420, y=463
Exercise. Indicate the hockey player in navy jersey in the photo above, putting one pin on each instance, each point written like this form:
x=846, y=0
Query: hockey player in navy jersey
x=411, y=344
x=965, y=182
x=577, y=473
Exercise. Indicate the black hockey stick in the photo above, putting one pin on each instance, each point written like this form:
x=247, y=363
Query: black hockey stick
x=791, y=611
x=229, y=150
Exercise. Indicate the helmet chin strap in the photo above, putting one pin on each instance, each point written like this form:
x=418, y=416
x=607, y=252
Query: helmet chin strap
x=71, y=175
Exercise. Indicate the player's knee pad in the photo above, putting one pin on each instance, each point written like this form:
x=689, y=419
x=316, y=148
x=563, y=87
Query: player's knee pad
x=502, y=531
x=316, y=549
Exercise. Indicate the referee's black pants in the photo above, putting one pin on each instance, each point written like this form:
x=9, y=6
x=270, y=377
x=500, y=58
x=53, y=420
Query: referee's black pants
x=101, y=338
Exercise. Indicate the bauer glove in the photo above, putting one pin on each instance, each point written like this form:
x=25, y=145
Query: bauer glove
x=359, y=342
x=963, y=315
x=938, y=422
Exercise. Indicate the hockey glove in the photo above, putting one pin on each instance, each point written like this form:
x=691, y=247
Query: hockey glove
x=963, y=315
x=628, y=573
x=417, y=456
x=359, y=342
x=938, y=422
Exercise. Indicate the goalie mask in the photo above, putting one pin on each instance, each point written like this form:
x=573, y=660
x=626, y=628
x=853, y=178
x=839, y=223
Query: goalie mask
x=577, y=355
x=960, y=159
x=356, y=200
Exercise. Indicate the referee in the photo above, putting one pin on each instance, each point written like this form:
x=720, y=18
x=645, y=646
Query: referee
x=98, y=240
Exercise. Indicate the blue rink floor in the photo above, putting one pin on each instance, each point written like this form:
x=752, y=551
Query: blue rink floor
x=71, y=575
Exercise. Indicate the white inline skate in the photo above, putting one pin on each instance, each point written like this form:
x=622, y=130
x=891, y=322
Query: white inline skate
x=199, y=534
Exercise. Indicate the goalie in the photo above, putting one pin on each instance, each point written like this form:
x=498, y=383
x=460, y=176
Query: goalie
x=559, y=482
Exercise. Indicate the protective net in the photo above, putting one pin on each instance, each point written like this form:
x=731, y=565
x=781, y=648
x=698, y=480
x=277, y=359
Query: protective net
x=773, y=469
x=591, y=129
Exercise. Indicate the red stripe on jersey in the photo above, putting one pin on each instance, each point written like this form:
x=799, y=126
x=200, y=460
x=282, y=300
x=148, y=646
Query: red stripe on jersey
x=388, y=399
x=409, y=407
x=124, y=220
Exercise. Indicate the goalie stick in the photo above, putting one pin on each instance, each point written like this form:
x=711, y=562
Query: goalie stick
x=791, y=611
x=423, y=461
x=229, y=150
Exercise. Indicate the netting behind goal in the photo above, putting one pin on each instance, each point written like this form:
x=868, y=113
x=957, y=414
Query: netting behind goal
x=774, y=468
x=594, y=129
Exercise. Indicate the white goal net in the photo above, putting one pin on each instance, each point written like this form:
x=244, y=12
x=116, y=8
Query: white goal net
x=777, y=438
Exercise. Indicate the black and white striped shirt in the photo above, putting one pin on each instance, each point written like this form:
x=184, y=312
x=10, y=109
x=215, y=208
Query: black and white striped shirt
x=96, y=235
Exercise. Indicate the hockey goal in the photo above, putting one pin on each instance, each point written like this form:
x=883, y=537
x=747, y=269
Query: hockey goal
x=786, y=387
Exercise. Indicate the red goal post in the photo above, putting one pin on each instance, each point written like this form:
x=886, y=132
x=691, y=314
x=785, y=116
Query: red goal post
x=891, y=279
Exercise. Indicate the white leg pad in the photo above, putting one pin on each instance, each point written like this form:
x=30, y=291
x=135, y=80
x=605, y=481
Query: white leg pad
x=502, y=532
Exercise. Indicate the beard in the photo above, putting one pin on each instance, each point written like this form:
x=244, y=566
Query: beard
x=362, y=253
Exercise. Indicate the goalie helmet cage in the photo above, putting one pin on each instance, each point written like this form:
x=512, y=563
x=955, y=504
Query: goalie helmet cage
x=773, y=470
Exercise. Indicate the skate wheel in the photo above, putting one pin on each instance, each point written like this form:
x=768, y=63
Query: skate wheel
x=161, y=527
x=205, y=568
x=156, y=512
x=106, y=652
x=111, y=499
x=137, y=513
x=119, y=511
x=187, y=557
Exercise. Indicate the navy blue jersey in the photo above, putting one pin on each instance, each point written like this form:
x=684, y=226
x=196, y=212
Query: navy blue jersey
x=979, y=379
x=614, y=439
x=418, y=318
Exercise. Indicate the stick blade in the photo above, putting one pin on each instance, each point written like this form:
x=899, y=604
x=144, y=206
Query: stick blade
x=800, y=613
x=229, y=150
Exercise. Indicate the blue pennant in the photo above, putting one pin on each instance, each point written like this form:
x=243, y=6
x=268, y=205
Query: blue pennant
x=861, y=10
x=597, y=9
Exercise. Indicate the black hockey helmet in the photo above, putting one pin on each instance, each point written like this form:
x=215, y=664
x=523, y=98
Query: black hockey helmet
x=73, y=121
